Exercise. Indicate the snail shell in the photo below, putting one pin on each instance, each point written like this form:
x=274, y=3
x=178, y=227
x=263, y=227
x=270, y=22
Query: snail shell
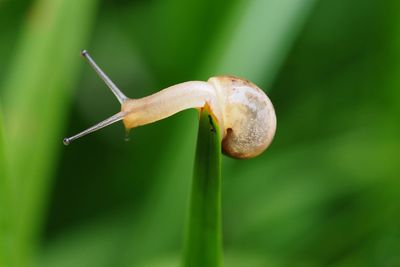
x=248, y=117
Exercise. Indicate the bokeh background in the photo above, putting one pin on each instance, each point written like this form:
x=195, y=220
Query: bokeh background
x=326, y=193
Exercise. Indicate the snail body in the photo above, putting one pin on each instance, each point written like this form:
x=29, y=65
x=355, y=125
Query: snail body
x=243, y=111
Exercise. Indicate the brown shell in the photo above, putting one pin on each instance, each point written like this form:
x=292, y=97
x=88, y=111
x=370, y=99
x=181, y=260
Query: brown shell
x=249, y=120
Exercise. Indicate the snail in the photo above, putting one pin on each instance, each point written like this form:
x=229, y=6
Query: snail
x=243, y=111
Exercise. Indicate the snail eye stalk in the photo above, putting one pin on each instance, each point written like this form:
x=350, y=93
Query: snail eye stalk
x=114, y=89
x=117, y=117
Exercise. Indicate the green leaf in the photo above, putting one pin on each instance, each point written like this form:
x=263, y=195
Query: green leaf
x=257, y=38
x=6, y=253
x=36, y=95
x=204, y=243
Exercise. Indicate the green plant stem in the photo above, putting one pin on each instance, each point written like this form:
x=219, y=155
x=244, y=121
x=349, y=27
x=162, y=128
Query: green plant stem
x=203, y=245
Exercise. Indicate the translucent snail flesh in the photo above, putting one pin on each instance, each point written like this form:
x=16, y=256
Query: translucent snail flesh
x=243, y=111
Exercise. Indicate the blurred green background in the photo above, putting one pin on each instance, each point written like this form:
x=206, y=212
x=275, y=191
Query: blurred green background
x=326, y=193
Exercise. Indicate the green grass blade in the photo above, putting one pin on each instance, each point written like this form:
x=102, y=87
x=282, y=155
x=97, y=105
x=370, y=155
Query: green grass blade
x=204, y=242
x=36, y=96
x=6, y=254
x=256, y=38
